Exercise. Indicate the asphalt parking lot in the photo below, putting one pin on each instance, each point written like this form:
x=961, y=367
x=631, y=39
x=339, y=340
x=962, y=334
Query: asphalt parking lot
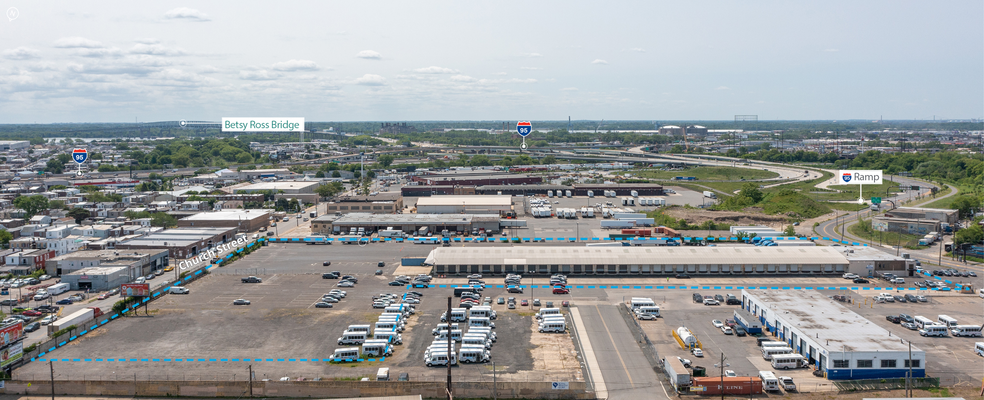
x=281, y=323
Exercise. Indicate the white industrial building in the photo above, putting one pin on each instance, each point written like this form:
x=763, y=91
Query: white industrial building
x=464, y=205
x=590, y=260
x=833, y=338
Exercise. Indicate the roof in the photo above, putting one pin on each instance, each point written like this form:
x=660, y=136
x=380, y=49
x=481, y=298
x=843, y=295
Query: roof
x=396, y=219
x=862, y=253
x=500, y=201
x=229, y=215
x=97, y=271
x=817, y=316
x=281, y=185
x=577, y=255
x=920, y=209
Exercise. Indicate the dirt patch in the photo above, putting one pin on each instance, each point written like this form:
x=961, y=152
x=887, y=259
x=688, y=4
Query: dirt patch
x=554, y=352
x=696, y=217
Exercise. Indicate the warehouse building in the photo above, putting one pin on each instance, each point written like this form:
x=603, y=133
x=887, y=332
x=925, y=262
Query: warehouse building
x=14, y=145
x=98, y=278
x=435, y=190
x=249, y=220
x=905, y=225
x=137, y=263
x=937, y=214
x=181, y=243
x=383, y=203
x=412, y=223
x=465, y=205
x=870, y=262
x=288, y=187
x=475, y=178
x=639, y=260
x=831, y=337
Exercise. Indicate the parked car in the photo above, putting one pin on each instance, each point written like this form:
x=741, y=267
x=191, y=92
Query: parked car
x=719, y=298
x=910, y=326
x=33, y=326
x=32, y=313
x=240, y=302
x=682, y=276
x=326, y=263
x=717, y=323
x=500, y=301
x=524, y=303
x=739, y=331
x=711, y=302
x=697, y=352
x=322, y=304
x=727, y=330
x=893, y=319
x=860, y=280
x=65, y=301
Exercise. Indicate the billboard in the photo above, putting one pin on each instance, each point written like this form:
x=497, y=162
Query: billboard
x=135, y=290
x=859, y=177
x=11, y=334
x=11, y=354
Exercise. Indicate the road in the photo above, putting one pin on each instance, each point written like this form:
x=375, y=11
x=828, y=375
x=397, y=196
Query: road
x=624, y=370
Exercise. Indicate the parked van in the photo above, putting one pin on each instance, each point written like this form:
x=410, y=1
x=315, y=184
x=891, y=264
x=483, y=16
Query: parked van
x=934, y=330
x=979, y=348
x=350, y=337
x=474, y=355
x=382, y=374
x=768, y=352
x=947, y=320
x=966, y=330
x=487, y=331
x=769, y=381
x=457, y=315
x=481, y=322
x=477, y=340
x=787, y=361
x=547, y=311
x=455, y=335
x=358, y=328
x=389, y=325
x=552, y=318
x=404, y=311
x=481, y=312
x=774, y=344
x=441, y=358
x=553, y=327
x=58, y=288
x=178, y=290
x=376, y=349
x=346, y=354
x=390, y=337
x=443, y=327
x=642, y=302
x=922, y=321
x=651, y=310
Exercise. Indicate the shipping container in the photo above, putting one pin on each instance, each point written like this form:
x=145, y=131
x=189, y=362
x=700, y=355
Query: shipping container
x=734, y=385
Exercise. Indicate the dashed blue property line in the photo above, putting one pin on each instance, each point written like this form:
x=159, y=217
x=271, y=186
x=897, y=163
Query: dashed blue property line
x=43, y=359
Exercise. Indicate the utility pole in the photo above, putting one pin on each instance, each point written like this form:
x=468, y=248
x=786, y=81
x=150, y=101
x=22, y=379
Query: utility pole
x=51, y=367
x=251, y=380
x=908, y=386
x=495, y=385
x=450, y=354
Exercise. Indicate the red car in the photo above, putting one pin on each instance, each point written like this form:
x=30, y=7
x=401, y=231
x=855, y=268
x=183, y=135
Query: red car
x=104, y=296
x=32, y=313
x=524, y=303
x=561, y=290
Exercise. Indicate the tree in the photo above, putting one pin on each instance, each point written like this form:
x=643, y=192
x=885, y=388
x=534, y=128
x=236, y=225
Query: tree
x=751, y=190
x=5, y=237
x=163, y=220
x=80, y=214
x=31, y=204
x=385, y=160
x=549, y=160
x=54, y=166
x=336, y=174
x=973, y=235
x=329, y=190
x=790, y=231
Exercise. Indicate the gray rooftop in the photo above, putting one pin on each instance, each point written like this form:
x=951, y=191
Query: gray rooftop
x=382, y=219
x=583, y=255
x=837, y=327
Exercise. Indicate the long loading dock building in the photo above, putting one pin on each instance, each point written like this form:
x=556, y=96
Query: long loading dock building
x=599, y=260
x=831, y=337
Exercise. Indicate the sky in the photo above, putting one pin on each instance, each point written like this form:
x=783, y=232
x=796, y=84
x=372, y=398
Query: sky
x=70, y=61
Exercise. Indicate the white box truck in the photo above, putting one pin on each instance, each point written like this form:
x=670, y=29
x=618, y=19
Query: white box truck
x=710, y=194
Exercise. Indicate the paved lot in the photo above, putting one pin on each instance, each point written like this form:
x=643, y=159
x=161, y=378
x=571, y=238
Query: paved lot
x=626, y=372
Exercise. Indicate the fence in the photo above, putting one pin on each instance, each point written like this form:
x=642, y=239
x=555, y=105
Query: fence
x=648, y=349
x=886, y=384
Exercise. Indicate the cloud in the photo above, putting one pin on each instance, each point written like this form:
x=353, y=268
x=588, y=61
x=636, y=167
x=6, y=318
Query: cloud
x=190, y=14
x=77, y=43
x=157, y=50
x=636, y=50
x=435, y=70
x=111, y=52
x=296, y=65
x=500, y=73
x=530, y=68
x=831, y=50
x=600, y=61
x=177, y=77
x=371, y=80
x=722, y=88
x=369, y=55
x=463, y=78
x=534, y=55
x=569, y=89
x=208, y=69
x=147, y=41
x=259, y=75
x=21, y=53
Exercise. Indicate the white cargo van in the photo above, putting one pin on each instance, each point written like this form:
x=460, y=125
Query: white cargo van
x=358, y=328
x=481, y=311
x=443, y=327
x=457, y=315
x=391, y=337
x=922, y=321
x=477, y=340
x=349, y=337
x=455, y=335
x=769, y=381
x=547, y=311
x=346, y=354
x=178, y=290
x=383, y=374
x=642, y=302
x=934, y=330
x=553, y=326
x=651, y=310
x=474, y=355
x=768, y=352
x=787, y=361
x=774, y=344
x=947, y=320
x=487, y=331
x=979, y=348
x=58, y=288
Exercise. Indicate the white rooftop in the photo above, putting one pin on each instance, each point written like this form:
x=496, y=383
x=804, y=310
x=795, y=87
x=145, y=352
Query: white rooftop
x=501, y=201
x=578, y=255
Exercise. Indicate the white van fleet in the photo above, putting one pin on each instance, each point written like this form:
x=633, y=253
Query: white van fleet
x=966, y=330
x=547, y=311
x=474, y=355
x=787, y=361
x=481, y=322
x=922, y=321
x=651, y=310
x=345, y=354
x=475, y=339
x=768, y=352
x=553, y=327
x=979, y=348
x=947, y=320
x=390, y=337
x=934, y=330
x=487, y=331
x=441, y=358
x=376, y=348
